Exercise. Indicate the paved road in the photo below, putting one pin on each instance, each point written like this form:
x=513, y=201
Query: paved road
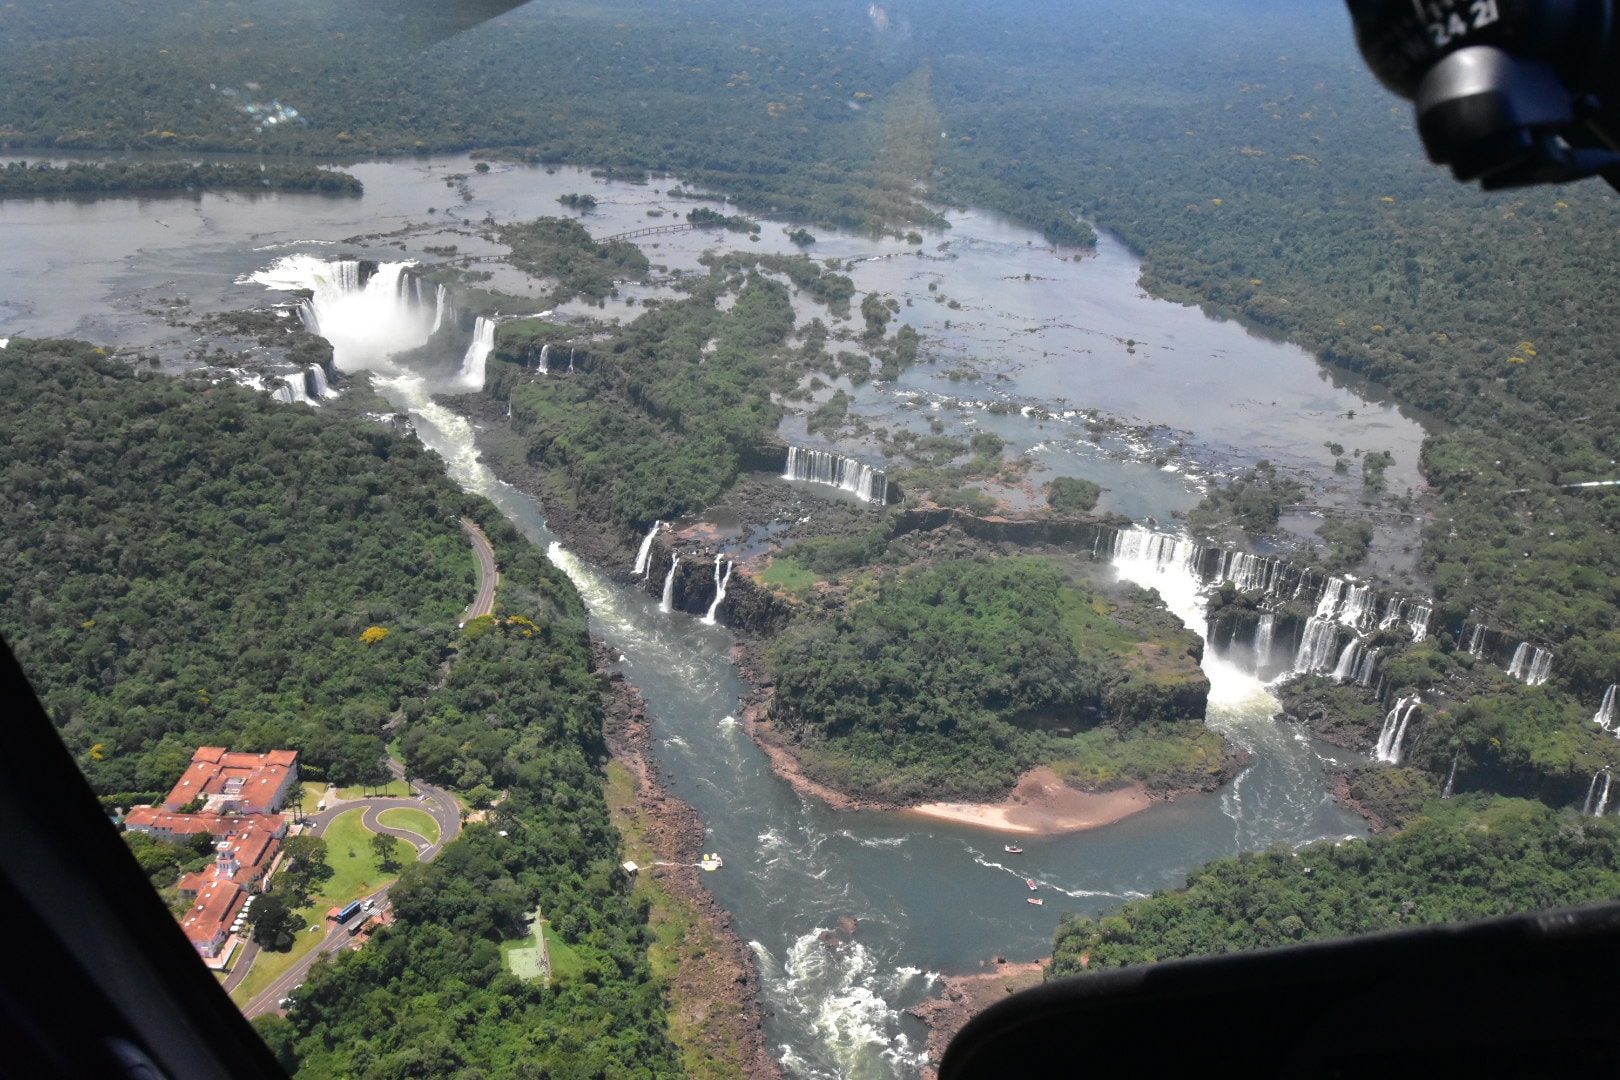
x=434, y=801
x=488, y=576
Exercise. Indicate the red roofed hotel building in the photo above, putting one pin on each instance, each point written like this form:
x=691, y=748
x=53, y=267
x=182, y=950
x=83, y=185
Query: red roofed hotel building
x=250, y=841
x=242, y=793
x=236, y=783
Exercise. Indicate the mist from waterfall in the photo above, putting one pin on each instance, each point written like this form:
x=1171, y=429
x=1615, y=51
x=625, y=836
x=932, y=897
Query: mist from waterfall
x=367, y=323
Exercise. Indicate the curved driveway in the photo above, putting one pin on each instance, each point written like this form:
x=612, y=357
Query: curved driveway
x=435, y=801
x=488, y=576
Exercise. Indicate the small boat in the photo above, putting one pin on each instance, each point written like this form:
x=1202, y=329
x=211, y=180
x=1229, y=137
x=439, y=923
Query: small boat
x=1011, y=850
x=1031, y=883
x=1037, y=901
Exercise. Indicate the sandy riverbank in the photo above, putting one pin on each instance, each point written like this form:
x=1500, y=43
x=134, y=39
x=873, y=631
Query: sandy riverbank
x=1042, y=805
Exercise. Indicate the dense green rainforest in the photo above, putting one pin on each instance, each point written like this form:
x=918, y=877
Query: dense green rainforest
x=188, y=563
x=1251, y=161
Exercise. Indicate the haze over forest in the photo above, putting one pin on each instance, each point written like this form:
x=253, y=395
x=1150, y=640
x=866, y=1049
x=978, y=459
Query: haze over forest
x=185, y=561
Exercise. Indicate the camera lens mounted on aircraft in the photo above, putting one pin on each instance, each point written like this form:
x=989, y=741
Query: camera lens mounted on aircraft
x=1506, y=92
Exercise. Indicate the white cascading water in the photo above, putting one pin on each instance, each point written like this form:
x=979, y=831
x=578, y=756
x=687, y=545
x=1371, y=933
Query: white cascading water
x=1250, y=573
x=1359, y=605
x=645, y=552
x=366, y=324
x=1349, y=660
x=292, y=390
x=477, y=355
x=1540, y=667
x=825, y=467
x=1369, y=664
x=1451, y=777
x=667, y=604
x=1597, y=801
x=1531, y=664
x=1604, y=717
x=720, y=583
x=1281, y=789
x=442, y=308
x=318, y=383
x=1392, y=613
x=545, y=353
x=1393, y=734
x=1262, y=639
x=570, y=360
x=1316, y=646
x=1476, y=640
x=1419, y=621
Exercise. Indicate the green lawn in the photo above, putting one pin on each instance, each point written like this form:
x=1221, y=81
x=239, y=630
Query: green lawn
x=564, y=960
x=397, y=789
x=417, y=821
x=784, y=573
x=354, y=874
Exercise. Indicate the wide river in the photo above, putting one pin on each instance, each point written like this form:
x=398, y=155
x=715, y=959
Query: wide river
x=929, y=897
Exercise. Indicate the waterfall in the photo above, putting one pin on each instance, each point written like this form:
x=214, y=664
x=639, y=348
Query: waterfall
x=1451, y=777
x=1262, y=639
x=441, y=308
x=720, y=584
x=483, y=343
x=1250, y=573
x=570, y=360
x=367, y=322
x=318, y=387
x=1349, y=660
x=1477, y=638
x=1369, y=664
x=667, y=604
x=641, y=568
x=1596, y=801
x=1531, y=663
x=545, y=367
x=509, y=408
x=1359, y=605
x=1393, y=734
x=1341, y=603
x=1316, y=647
x=1604, y=717
x=1392, y=613
x=1328, y=601
x=825, y=467
x=292, y=389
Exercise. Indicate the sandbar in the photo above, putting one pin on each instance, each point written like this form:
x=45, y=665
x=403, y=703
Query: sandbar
x=1042, y=805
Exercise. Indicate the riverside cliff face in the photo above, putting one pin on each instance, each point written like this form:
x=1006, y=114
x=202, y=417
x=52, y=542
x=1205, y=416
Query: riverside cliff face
x=747, y=608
